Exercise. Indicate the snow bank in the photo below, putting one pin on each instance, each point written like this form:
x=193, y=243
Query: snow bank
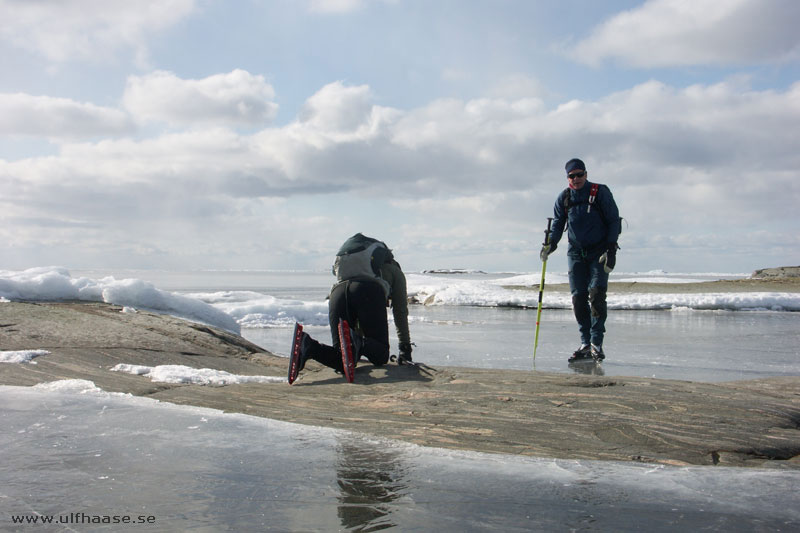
x=493, y=293
x=56, y=284
x=257, y=310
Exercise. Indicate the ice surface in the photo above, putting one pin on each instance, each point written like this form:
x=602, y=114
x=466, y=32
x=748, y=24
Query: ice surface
x=70, y=447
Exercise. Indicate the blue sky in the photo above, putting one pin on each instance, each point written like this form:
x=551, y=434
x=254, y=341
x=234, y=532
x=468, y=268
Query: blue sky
x=261, y=134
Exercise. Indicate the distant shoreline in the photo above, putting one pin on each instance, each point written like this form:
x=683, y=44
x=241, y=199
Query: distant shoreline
x=765, y=284
x=732, y=285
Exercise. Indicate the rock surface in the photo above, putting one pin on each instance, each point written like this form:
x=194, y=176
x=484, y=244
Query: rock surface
x=779, y=272
x=748, y=423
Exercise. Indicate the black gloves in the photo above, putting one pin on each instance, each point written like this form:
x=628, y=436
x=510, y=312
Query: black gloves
x=609, y=258
x=405, y=351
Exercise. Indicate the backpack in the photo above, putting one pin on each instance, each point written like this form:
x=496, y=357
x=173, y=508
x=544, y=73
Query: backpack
x=361, y=257
x=592, y=196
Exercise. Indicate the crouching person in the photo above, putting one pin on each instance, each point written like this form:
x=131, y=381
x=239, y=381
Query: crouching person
x=368, y=279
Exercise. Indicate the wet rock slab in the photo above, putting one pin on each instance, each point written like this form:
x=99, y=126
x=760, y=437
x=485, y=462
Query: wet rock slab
x=746, y=423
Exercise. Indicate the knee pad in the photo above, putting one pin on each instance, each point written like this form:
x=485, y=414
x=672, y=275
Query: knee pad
x=580, y=306
x=597, y=301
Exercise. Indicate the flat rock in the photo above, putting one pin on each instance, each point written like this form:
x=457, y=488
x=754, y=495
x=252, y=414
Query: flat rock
x=745, y=423
x=777, y=272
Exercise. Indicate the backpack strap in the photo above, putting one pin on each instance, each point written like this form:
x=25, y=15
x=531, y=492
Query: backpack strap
x=592, y=195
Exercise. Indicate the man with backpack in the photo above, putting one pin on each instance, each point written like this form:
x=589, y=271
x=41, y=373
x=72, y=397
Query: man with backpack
x=368, y=279
x=589, y=213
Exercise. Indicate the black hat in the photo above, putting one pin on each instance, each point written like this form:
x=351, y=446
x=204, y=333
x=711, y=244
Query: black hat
x=574, y=164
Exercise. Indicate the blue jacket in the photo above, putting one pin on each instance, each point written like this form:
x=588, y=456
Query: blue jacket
x=589, y=230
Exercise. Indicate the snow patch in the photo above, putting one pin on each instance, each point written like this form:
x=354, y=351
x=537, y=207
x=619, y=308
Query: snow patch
x=21, y=356
x=194, y=376
x=80, y=386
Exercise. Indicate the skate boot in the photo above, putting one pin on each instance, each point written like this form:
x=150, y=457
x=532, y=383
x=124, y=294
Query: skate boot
x=582, y=353
x=350, y=344
x=299, y=354
x=597, y=353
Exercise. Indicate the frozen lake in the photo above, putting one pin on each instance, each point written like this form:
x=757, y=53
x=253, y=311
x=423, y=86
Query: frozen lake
x=715, y=337
x=80, y=454
x=704, y=346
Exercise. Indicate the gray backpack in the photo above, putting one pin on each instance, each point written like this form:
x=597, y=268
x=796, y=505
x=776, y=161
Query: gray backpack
x=360, y=258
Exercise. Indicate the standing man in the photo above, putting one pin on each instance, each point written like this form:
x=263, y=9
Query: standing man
x=588, y=211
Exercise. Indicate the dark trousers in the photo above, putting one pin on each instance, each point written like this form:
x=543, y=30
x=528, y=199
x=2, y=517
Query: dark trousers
x=588, y=283
x=363, y=305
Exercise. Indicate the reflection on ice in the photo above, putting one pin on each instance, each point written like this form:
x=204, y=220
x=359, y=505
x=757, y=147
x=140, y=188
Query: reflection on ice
x=195, y=468
x=371, y=479
x=587, y=367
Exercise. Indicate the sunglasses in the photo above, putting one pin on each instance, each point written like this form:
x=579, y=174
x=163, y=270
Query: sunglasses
x=576, y=175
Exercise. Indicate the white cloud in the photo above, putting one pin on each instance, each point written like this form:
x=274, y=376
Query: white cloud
x=335, y=116
x=664, y=33
x=476, y=204
x=472, y=127
x=343, y=139
x=337, y=107
x=59, y=32
x=334, y=6
x=680, y=162
x=340, y=6
x=59, y=118
x=237, y=98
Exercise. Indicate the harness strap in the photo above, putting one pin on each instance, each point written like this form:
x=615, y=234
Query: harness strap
x=592, y=195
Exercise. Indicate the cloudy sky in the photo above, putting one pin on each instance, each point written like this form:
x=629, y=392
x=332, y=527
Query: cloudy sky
x=260, y=134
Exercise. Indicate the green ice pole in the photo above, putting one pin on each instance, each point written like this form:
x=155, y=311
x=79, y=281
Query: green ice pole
x=541, y=288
